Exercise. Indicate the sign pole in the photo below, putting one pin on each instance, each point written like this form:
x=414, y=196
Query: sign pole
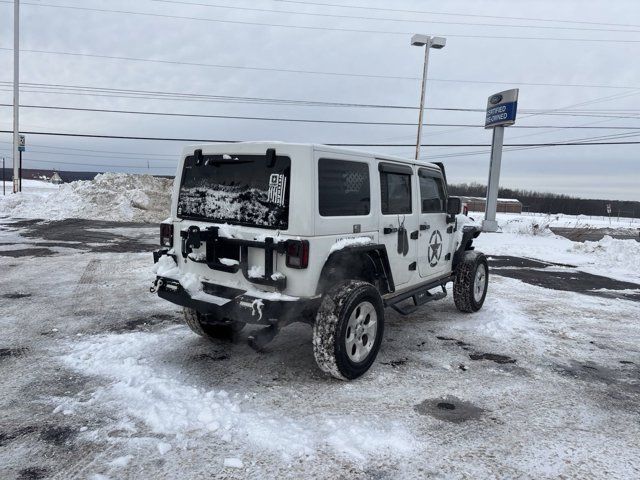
x=16, y=94
x=501, y=112
x=490, y=224
x=3, y=180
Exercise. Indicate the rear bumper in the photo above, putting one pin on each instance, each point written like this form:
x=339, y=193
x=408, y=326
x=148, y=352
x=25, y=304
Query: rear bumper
x=230, y=304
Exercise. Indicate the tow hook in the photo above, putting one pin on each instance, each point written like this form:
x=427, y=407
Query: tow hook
x=261, y=338
x=157, y=284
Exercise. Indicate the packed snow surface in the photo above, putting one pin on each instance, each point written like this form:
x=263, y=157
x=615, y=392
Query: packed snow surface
x=109, y=196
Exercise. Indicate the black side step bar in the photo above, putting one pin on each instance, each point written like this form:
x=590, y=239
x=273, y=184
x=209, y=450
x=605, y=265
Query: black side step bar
x=420, y=295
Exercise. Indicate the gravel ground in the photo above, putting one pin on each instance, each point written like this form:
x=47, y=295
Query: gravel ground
x=100, y=379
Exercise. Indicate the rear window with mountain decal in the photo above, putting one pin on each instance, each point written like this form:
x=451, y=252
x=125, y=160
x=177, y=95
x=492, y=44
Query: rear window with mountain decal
x=250, y=190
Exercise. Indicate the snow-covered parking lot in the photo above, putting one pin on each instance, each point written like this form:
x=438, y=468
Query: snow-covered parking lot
x=100, y=379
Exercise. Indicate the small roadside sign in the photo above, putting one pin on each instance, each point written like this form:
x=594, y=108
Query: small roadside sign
x=22, y=143
x=502, y=109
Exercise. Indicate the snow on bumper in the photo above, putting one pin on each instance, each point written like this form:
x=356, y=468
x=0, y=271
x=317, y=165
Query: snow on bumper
x=223, y=302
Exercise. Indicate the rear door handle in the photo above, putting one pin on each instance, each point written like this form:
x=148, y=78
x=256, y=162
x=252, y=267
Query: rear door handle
x=425, y=226
x=388, y=230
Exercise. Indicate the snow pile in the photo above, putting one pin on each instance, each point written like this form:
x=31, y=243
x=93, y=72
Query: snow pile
x=612, y=254
x=109, y=196
x=144, y=387
x=526, y=225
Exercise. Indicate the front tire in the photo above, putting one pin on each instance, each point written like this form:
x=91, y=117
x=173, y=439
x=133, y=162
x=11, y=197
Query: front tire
x=471, y=282
x=348, y=329
x=194, y=321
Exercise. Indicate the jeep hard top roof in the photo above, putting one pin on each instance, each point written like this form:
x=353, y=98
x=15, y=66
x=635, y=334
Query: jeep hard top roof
x=261, y=146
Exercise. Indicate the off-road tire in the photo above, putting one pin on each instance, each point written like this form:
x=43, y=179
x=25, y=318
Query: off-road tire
x=194, y=321
x=465, y=282
x=330, y=328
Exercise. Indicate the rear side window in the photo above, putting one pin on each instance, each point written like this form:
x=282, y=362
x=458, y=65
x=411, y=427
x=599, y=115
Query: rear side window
x=395, y=189
x=432, y=196
x=343, y=188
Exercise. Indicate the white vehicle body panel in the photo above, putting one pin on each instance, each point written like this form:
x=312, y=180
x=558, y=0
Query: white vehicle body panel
x=305, y=222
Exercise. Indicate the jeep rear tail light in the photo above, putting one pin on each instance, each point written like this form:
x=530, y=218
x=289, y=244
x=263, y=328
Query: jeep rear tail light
x=166, y=235
x=297, y=254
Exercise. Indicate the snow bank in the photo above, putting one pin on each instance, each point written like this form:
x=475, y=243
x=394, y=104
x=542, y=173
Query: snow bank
x=110, y=196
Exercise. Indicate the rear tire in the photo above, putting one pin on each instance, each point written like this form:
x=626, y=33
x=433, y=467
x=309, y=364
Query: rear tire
x=348, y=329
x=471, y=282
x=194, y=321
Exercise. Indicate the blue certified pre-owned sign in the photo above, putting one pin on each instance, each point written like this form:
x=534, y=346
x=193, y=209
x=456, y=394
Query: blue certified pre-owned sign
x=502, y=108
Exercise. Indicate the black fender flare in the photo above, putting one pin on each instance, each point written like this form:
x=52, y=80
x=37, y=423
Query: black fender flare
x=372, y=258
x=469, y=232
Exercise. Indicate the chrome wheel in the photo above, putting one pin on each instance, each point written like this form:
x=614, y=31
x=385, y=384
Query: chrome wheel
x=362, y=328
x=479, y=282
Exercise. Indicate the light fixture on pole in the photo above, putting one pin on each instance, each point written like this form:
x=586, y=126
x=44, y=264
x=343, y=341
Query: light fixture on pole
x=428, y=42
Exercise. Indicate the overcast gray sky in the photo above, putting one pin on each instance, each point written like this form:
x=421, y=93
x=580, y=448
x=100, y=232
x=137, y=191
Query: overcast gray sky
x=604, y=73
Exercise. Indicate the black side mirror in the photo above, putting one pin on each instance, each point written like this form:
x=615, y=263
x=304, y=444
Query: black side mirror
x=454, y=205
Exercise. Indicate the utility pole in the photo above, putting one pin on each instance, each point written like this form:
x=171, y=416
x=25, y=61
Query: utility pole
x=17, y=181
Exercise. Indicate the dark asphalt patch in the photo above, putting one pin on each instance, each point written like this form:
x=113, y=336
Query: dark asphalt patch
x=595, y=234
x=32, y=473
x=15, y=296
x=588, y=371
x=82, y=234
x=27, y=252
x=144, y=321
x=213, y=358
x=450, y=409
x=497, y=261
x=13, y=352
x=58, y=435
x=396, y=363
x=535, y=272
x=494, y=357
x=7, y=437
x=460, y=343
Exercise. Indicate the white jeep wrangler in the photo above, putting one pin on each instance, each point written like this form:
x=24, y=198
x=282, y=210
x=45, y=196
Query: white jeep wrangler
x=273, y=233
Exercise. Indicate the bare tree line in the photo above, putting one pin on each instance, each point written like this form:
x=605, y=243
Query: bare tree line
x=543, y=202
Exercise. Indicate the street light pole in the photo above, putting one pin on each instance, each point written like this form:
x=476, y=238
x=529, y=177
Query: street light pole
x=422, y=95
x=17, y=183
x=428, y=42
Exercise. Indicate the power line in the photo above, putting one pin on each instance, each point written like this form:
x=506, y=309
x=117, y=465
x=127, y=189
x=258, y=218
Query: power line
x=318, y=72
x=388, y=19
x=96, y=151
x=201, y=140
x=369, y=8
x=85, y=155
x=317, y=28
x=278, y=119
x=144, y=167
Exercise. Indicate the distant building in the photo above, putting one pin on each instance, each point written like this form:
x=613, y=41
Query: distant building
x=478, y=204
x=56, y=179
